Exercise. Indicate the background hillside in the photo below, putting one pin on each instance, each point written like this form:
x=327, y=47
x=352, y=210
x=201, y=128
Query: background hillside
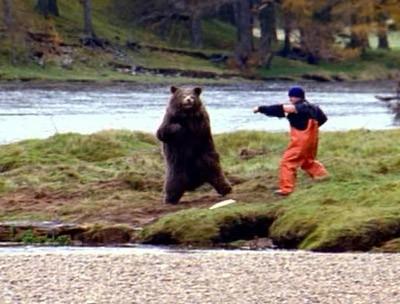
x=151, y=42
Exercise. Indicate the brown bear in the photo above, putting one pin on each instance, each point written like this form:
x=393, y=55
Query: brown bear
x=188, y=146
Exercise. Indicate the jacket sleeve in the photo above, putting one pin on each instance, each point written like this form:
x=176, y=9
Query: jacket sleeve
x=274, y=110
x=320, y=116
x=313, y=111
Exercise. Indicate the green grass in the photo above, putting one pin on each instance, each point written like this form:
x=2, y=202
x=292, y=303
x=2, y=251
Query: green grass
x=356, y=210
x=67, y=160
x=29, y=238
x=54, y=73
x=286, y=67
x=375, y=64
x=206, y=227
x=174, y=61
x=219, y=35
x=71, y=177
x=116, y=177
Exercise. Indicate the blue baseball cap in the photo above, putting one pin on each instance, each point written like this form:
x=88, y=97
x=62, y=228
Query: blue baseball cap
x=297, y=92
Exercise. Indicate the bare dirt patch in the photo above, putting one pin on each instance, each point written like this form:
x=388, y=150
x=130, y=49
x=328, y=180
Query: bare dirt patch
x=112, y=202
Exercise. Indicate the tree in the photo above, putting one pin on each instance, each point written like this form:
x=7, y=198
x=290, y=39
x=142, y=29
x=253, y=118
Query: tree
x=314, y=38
x=197, y=9
x=365, y=17
x=318, y=23
x=53, y=8
x=87, y=19
x=359, y=33
x=7, y=13
x=387, y=10
x=47, y=7
x=196, y=30
x=267, y=18
x=244, y=32
x=383, y=41
x=9, y=29
x=287, y=29
x=226, y=13
x=163, y=15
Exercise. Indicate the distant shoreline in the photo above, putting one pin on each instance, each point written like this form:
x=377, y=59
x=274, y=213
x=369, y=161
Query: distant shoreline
x=101, y=84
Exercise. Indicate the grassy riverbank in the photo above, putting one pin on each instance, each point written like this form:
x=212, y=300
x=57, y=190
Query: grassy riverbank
x=115, y=177
x=373, y=65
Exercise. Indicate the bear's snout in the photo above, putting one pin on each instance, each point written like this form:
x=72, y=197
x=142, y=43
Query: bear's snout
x=188, y=101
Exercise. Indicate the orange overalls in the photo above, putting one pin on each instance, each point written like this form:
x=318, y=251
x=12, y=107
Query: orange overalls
x=301, y=152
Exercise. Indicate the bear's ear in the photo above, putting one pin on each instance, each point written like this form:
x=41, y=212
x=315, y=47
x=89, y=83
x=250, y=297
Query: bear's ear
x=197, y=91
x=173, y=89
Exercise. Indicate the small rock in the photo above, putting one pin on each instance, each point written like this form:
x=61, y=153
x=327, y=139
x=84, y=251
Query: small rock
x=251, y=153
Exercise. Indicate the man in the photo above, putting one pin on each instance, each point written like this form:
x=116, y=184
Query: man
x=305, y=119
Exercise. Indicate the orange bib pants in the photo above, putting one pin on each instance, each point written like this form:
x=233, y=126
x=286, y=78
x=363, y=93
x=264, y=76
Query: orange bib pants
x=301, y=152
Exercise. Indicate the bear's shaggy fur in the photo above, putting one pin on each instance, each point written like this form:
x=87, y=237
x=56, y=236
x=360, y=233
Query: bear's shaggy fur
x=191, y=159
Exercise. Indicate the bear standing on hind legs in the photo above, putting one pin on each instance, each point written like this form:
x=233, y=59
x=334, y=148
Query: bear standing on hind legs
x=188, y=147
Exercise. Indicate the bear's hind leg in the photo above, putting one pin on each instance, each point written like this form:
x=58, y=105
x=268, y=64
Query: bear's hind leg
x=220, y=184
x=173, y=196
x=173, y=192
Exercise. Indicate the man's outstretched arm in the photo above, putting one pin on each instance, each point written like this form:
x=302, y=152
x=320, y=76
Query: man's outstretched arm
x=278, y=110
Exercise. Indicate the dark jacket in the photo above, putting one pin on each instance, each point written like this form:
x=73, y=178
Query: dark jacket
x=299, y=120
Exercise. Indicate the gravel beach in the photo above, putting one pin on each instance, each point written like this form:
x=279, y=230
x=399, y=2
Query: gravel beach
x=165, y=276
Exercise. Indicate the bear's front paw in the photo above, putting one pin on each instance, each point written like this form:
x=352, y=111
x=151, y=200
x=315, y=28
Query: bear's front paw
x=175, y=128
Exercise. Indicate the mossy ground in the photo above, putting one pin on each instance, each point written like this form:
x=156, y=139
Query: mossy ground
x=115, y=177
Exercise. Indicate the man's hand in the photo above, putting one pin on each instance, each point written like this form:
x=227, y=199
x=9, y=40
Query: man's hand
x=289, y=108
x=256, y=110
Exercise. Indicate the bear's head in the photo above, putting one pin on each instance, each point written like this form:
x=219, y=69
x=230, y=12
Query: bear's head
x=185, y=99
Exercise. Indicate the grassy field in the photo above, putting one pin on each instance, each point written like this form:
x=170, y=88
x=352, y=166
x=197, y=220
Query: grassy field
x=115, y=177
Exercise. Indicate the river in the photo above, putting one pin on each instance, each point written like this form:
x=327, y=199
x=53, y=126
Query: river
x=38, y=112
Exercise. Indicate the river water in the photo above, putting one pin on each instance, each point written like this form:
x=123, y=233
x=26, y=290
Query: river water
x=34, y=112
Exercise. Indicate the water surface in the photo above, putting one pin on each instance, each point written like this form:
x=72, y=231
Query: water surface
x=27, y=112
